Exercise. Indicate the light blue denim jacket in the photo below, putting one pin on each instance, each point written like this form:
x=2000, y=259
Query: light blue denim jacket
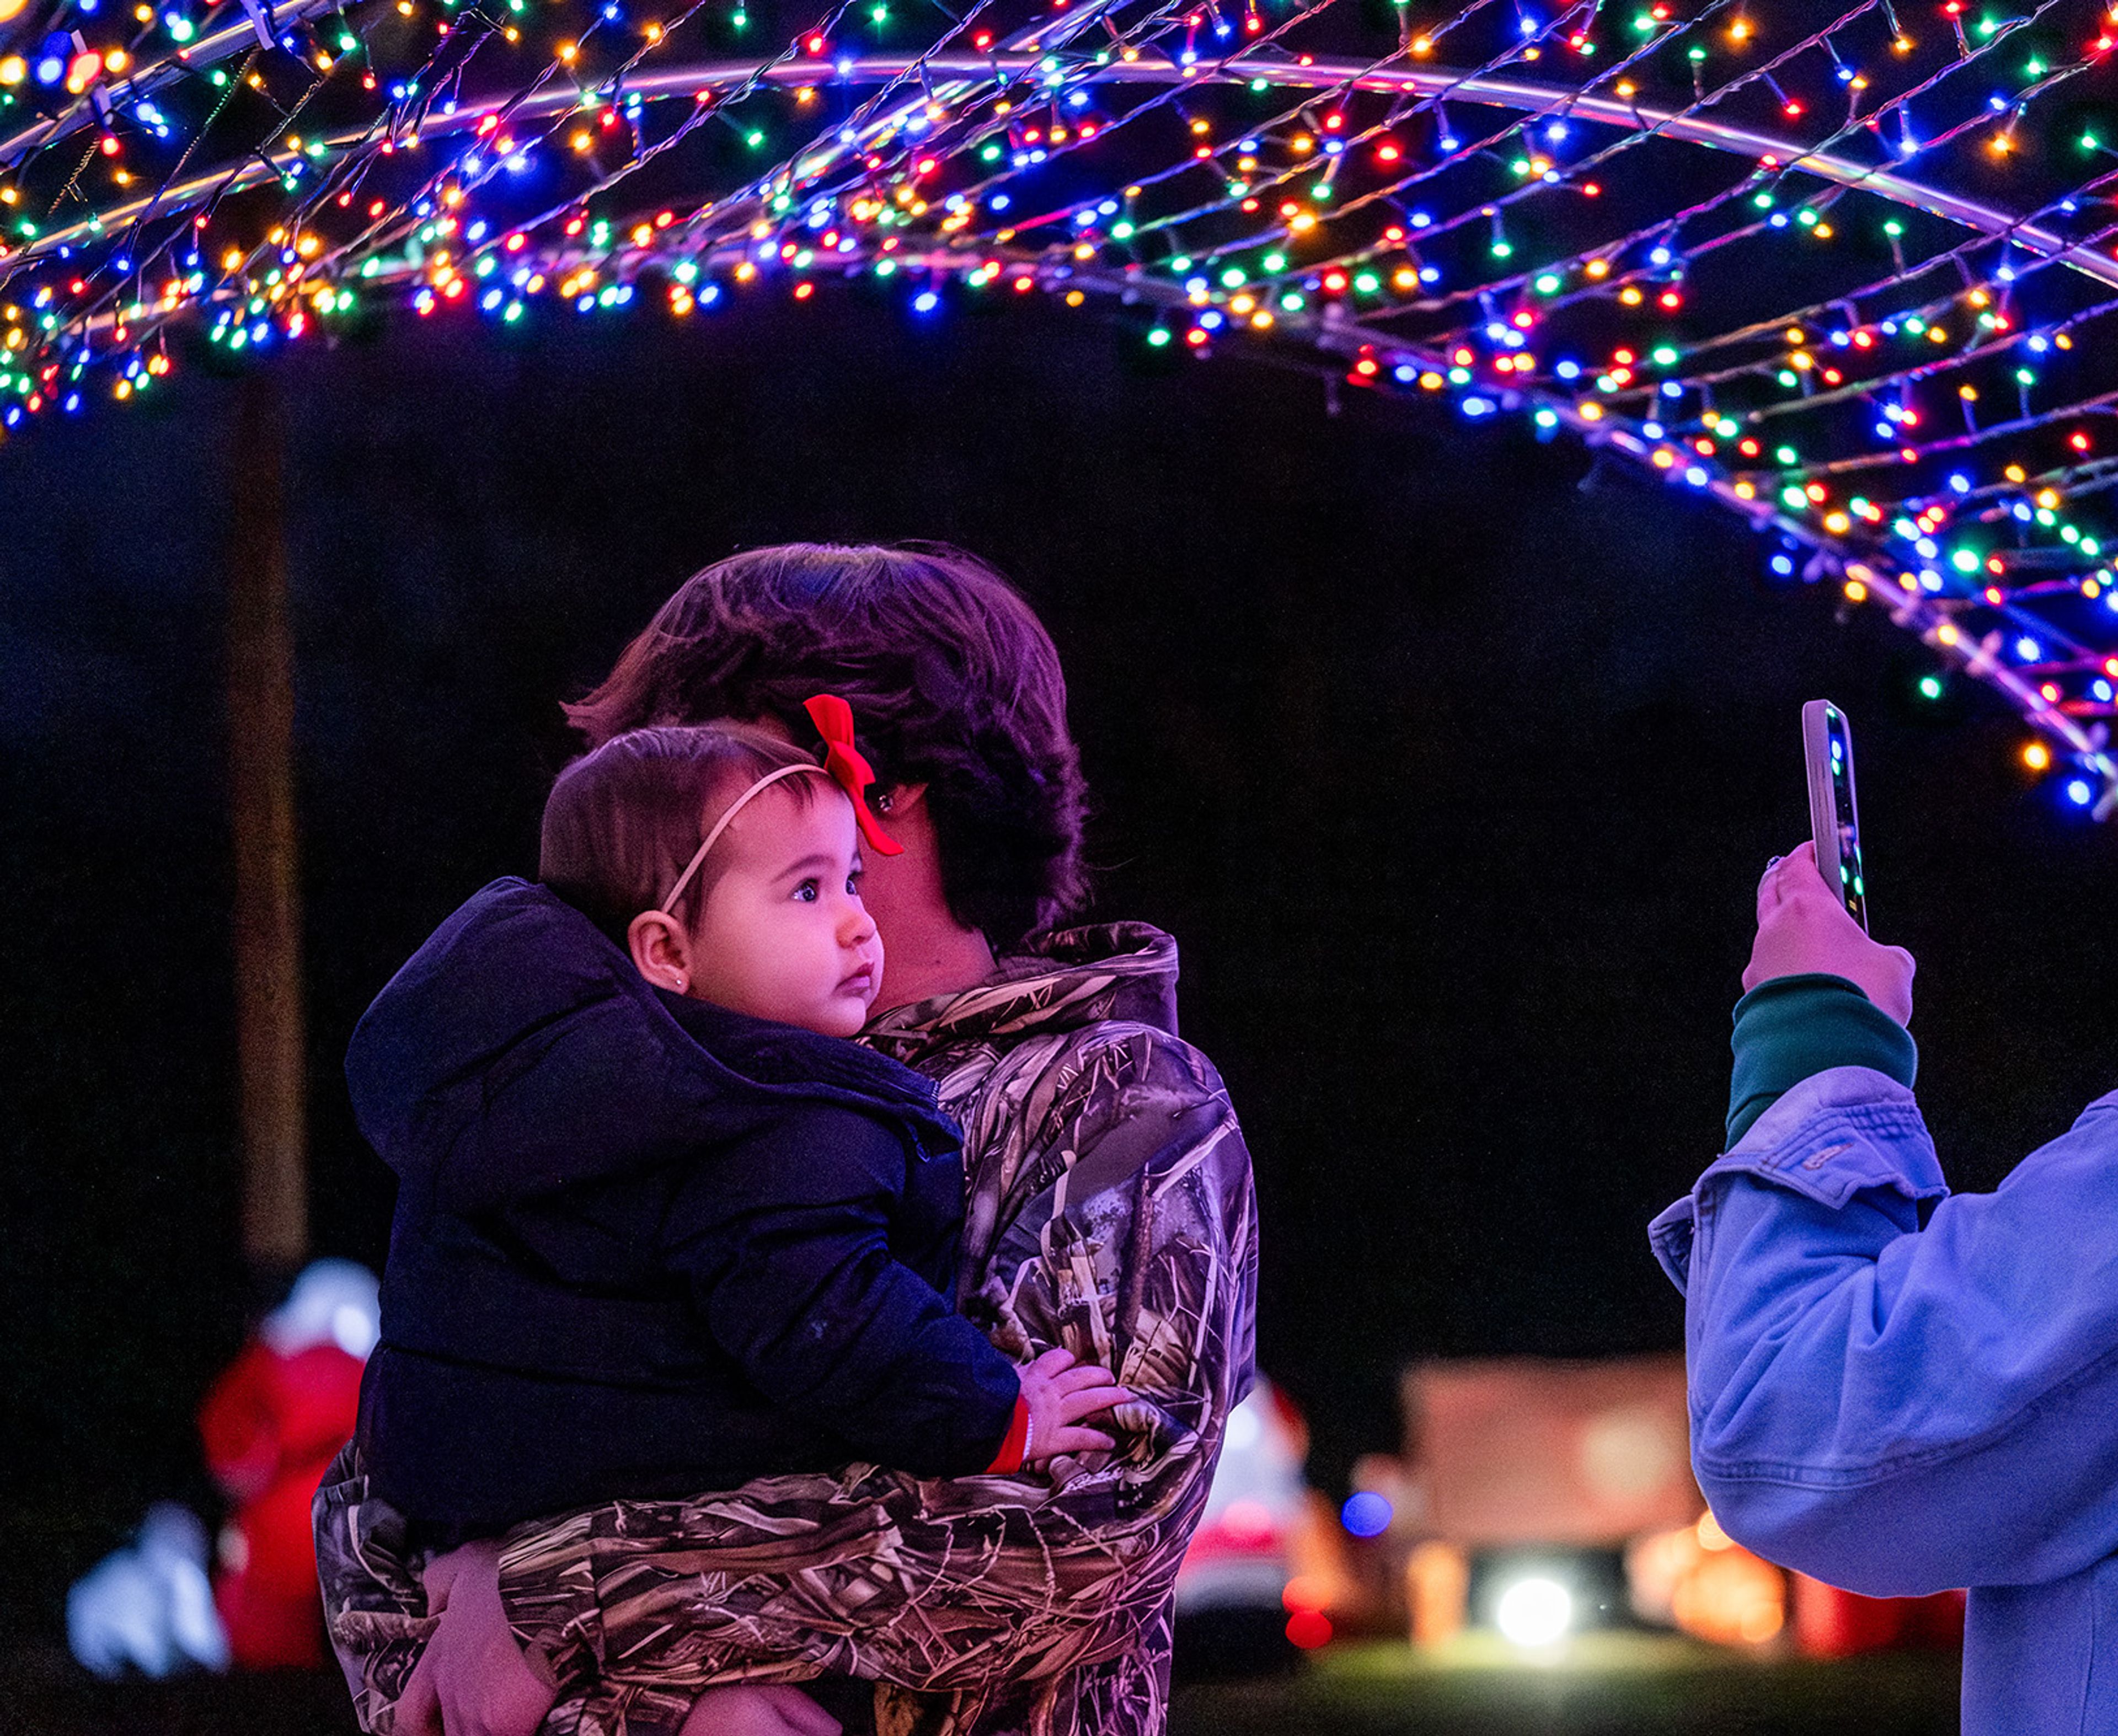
x=1899, y=1390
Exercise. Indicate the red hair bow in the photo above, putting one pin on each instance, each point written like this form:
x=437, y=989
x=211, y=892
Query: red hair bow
x=834, y=719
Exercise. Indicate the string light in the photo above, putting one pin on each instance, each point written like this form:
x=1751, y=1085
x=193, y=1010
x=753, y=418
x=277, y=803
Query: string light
x=1295, y=175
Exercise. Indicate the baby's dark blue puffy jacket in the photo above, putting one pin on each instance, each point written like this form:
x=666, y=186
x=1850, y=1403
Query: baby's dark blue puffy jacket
x=644, y=1246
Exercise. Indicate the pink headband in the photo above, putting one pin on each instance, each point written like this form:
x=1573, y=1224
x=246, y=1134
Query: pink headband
x=843, y=765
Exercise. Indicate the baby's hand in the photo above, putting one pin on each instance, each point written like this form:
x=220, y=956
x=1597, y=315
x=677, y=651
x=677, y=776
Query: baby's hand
x=1060, y=1393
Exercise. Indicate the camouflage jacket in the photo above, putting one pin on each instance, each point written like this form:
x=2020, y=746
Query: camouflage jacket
x=1109, y=1209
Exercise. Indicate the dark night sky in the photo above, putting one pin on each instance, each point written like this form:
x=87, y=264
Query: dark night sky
x=1450, y=759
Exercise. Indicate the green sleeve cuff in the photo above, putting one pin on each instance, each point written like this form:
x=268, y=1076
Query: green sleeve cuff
x=1793, y=1026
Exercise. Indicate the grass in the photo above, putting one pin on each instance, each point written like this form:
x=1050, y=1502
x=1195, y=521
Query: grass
x=1599, y=1685
x=1602, y=1685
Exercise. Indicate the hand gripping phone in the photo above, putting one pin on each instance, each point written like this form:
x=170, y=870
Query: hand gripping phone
x=1835, y=818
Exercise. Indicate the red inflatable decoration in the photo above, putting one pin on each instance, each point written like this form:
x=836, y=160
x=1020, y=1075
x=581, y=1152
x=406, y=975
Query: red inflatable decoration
x=271, y=1425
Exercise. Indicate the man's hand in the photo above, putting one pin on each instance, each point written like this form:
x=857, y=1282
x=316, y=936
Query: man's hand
x=1803, y=928
x=747, y=1710
x=474, y=1678
x=1060, y=1392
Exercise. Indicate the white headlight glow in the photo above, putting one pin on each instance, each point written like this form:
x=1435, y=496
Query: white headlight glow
x=1533, y=1612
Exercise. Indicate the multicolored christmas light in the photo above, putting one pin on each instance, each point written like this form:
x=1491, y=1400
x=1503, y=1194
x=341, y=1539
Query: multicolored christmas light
x=1849, y=269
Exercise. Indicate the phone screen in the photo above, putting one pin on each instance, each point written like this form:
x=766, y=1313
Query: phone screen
x=1835, y=815
x=1852, y=887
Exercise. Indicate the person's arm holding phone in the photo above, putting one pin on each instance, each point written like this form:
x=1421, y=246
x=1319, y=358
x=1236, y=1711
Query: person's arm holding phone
x=1893, y=1389
x=1818, y=993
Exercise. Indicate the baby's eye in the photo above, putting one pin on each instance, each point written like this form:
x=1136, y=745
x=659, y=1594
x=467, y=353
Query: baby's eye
x=852, y=885
x=808, y=891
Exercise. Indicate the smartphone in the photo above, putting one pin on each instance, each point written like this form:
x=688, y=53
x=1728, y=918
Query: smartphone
x=1835, y=818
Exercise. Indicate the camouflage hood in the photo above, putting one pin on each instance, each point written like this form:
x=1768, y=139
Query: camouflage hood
x=1063, y=981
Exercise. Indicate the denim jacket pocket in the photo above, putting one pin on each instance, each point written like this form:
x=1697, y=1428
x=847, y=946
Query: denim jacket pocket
x=1839, y=1151
x=1843, y=1151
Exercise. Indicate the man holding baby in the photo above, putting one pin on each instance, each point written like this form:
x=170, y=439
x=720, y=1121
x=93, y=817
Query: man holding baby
x=1108, y=1213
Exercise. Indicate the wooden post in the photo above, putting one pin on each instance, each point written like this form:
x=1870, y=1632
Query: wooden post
x=270, y=1057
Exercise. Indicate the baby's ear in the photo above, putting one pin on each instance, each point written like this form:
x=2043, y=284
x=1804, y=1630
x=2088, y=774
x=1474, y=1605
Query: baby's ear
x=661, y=950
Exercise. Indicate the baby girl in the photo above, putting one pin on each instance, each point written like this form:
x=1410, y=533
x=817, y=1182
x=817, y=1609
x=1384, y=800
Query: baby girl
x=660, y=1227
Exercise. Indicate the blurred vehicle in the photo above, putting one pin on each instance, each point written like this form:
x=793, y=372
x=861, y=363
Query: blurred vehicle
x=1533, y=1475
x=1266, y=1568
x=1540, y=1497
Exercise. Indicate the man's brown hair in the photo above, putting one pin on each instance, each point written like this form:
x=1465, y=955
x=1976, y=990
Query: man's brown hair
x=621, y=821
x=954, y=683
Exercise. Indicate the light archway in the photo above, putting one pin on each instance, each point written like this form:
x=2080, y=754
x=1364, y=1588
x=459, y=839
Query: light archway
x=1847, y=272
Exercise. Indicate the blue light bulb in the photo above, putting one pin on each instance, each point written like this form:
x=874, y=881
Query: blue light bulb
x=1366, y=1514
